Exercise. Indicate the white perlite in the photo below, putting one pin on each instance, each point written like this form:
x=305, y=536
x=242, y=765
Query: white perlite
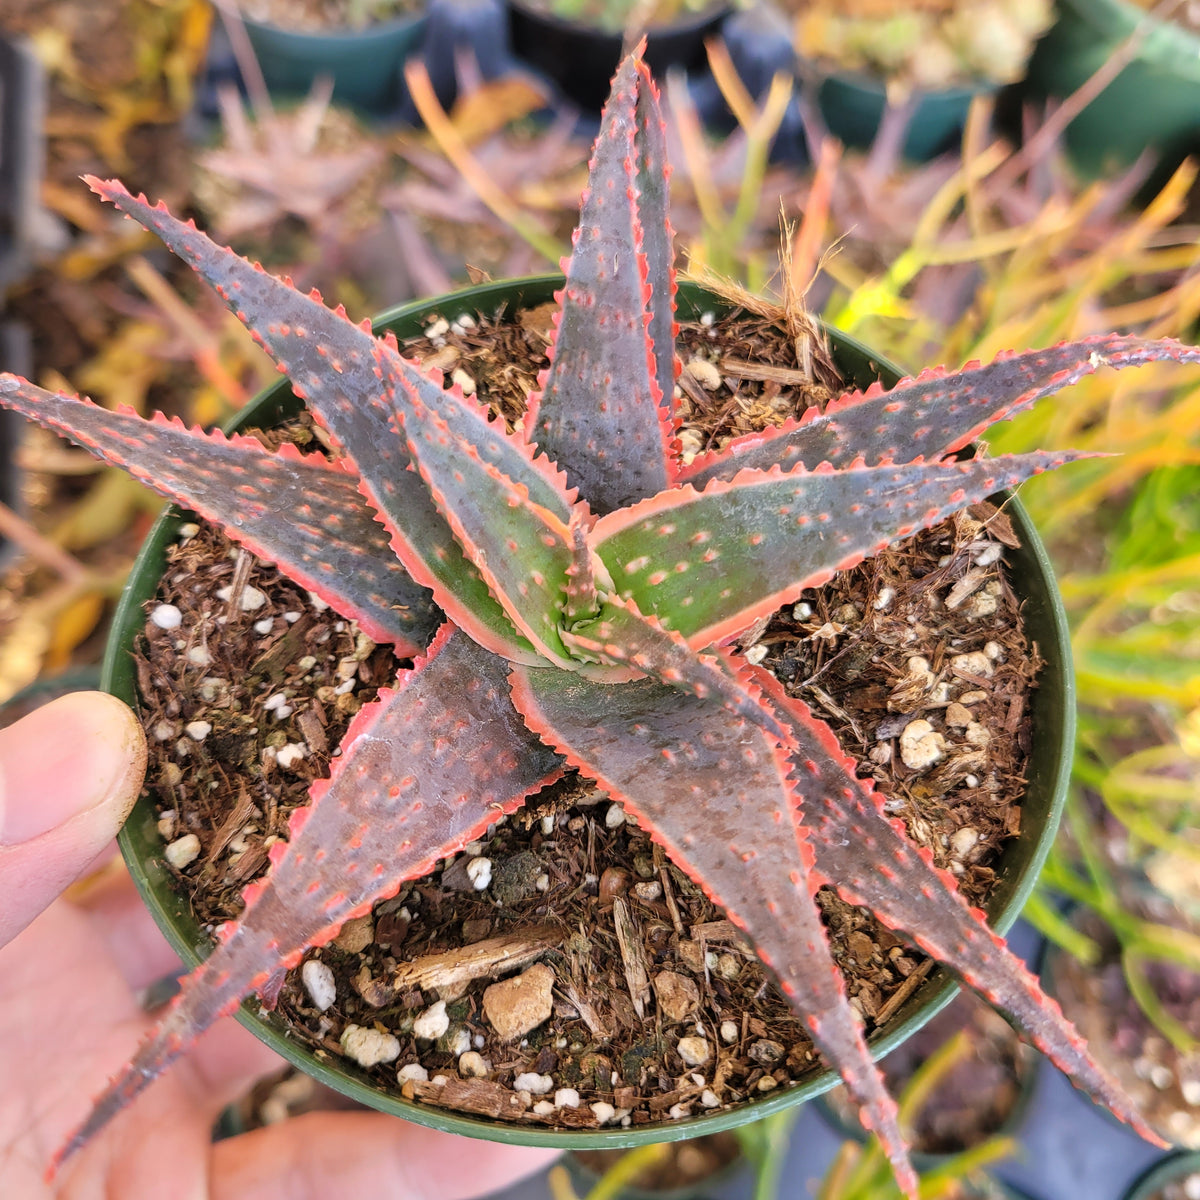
x=290, y=755
x=433, y=1022
x=603, y=1112
x=413, y=1071
x=251, y=600
x=566, y=1098
x=369, y=1047
x=921, y=745
x=182, y=851
x=729, y=1032
x=167, y=616
x=318, y=982
x=756, y=653
x=963, y=840
x=198, y=730
x=479, y=872
x=693, y=1050
x=533, y=1083
x=472, y=1065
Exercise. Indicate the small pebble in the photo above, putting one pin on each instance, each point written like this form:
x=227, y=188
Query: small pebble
x=472, y=1065
x=704, y=373
x=548, y=825
x=767, y=1083
x=802, y=611
x=693, y=1050
x=756, y=653
x=678, y=1111
x=460, y=1042
x=921, y=745
x=413, y=1071
x=167, y=616
x=614, y=816
x=648, y=890
x=978, y=662
x=884, y=598
x=318, y=982
x=265, y=625
x=730, y=1032
x=709, y=1099
x=369, y=1047
x=433, y=1022
x=542, y=883
x=198, y=730
x=183, y=851
x=187, y=530
x=533, y=1083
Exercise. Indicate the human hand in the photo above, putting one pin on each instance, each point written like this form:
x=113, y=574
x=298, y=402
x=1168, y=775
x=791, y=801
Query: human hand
x=69, y=1016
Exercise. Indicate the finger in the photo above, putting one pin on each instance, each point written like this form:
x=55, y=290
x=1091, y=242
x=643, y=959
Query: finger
x=122, y=920
x=364, y=1154
x=69, y=774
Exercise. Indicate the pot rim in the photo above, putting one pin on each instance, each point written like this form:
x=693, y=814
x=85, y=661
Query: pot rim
x=684, y=23
x=141, y=847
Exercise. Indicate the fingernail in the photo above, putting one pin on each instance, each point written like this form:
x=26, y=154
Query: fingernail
x=73, y=755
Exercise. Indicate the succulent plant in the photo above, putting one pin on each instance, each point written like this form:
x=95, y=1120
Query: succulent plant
x=929, y=45
x=568, y=591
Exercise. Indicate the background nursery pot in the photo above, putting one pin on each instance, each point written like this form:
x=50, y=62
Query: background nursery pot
x=1153, y=102
x=1052, y=705
x=580, y=58
x=366, y=64
x=1169, y=1178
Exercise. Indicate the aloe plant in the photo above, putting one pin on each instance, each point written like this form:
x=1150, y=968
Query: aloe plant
x=568, y=592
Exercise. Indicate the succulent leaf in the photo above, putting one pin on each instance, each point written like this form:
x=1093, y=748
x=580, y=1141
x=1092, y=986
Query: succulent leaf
x=870, y=861
x=930, y=416
x=424, y=770
x=299, y=511
x=620, y=636
x=737, y=830
x=332, y=365
x=709, y=563
x=653, y=178
x=599, y=414
x=515, y=528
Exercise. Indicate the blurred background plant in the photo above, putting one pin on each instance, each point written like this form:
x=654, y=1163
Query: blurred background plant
x=859, y=1171
x=923, y=45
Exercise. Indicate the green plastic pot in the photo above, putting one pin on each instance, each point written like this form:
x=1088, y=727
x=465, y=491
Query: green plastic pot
x=366, y=65
x=584, y=1178
x=1154, y=101
x=1165, y=1171
x=1053, y=709
x=852, y=107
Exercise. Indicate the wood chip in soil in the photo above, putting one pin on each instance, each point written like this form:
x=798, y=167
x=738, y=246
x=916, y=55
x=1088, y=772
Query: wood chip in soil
x=916, y=658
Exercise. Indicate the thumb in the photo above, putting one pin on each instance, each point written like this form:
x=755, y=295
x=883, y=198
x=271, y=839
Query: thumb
x=69, y=774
